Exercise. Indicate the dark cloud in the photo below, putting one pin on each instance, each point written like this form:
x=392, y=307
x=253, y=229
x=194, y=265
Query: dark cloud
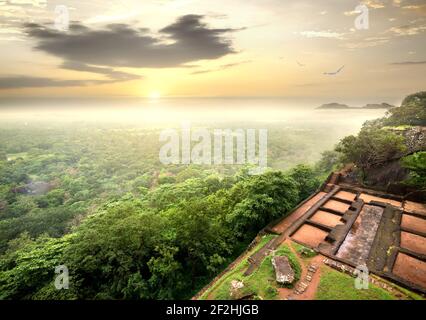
x=222, y=67
x=109, y=72
x=121, y=45
x=407, y=63
x=99, y=51
x=202, y=72
x=17, y=82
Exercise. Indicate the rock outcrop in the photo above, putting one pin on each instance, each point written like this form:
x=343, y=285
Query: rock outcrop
x=284, y=273
x=235, y=289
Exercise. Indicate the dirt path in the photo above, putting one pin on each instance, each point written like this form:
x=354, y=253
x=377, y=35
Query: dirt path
x=310, y=292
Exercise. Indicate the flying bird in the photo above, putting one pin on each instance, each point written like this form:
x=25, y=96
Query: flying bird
x=334, y=73
x=300, y=64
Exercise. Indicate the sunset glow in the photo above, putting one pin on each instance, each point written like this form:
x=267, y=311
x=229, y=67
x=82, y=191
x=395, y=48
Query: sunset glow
x=213, y=48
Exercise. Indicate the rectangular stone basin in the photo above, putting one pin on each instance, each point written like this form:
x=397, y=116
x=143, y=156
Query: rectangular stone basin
x=357, y=244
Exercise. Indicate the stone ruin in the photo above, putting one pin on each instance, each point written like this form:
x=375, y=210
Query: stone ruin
x=235, y=289
x=284, y=273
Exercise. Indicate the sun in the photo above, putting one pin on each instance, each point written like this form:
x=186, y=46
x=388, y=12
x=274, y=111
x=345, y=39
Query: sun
x=154, y=95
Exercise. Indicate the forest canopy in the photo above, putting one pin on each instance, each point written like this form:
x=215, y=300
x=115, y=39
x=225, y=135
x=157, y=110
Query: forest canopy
x=128, y=228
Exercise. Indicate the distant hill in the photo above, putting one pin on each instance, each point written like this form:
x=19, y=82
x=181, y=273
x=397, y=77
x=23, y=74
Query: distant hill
x=334, y=105
x=383, y=105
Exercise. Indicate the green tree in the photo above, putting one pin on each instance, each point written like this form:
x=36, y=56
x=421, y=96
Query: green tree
x=306, y=179
x=328, y=162
x=372, y=147
x=411, y=112
x=111, y=249
x=416, y=163
x=29, y=265
x=201, y=237
x=259, y=200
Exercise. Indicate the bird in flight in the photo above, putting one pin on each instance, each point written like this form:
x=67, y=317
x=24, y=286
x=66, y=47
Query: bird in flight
x=334, y=73
x=300, y=64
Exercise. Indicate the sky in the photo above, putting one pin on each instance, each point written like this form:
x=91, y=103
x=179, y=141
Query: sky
x=297, y=49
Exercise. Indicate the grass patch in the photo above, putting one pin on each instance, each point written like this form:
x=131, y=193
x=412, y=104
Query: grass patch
x=303, y=251
x=398, y=128
x=221, y=289
x=410, y=294
x=294, y=262
x=335, y=285
x=261, y=283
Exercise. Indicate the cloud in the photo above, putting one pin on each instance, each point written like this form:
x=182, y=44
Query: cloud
x=222, y=67
x=19, y=82
x=34, y=3
x=375, y=4
x=371, y=4
x=101, y=51
x=109, y=72
x=367, y=43
x=121, y=45
x=408, y=63
x=408, y=30
x=10, y=34
x=202, y=72
x=417, y=8
x=322, y=34
x=351, y=13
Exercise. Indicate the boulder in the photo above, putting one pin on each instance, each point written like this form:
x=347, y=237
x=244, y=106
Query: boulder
x=284, y=273
x=235, y=289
